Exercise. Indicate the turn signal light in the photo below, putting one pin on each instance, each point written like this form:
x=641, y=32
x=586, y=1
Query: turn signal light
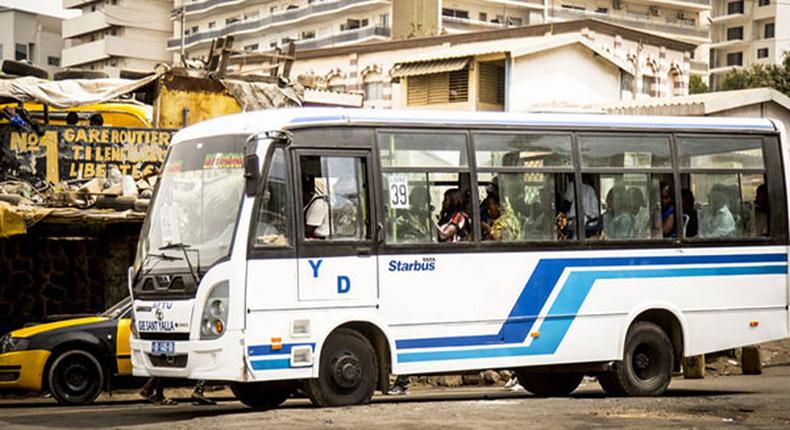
x=754, y=323
x=218, y=326
x=534, y=334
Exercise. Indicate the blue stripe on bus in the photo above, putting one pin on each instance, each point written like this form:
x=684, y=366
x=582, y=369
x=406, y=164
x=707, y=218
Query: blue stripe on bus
x=352, y=118
x=569, y=300
x=258, y=350
x=283, y=363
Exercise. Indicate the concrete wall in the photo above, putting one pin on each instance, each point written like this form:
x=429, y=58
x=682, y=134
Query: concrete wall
x=759, y=110
x=415, y=18
x=42, y=32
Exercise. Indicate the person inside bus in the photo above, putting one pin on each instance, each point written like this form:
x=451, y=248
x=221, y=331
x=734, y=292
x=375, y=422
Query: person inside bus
x=454, y=224
x=638, y=209
x=760, y=218
x=718, y=221
x=690, y=217
x=504, y=225
x=593, y=225
x=667, y=212
x=618, y=222
x=316, y=209
x=412, y=224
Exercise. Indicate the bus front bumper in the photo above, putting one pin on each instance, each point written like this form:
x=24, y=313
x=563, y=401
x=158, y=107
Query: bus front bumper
x=217, y=360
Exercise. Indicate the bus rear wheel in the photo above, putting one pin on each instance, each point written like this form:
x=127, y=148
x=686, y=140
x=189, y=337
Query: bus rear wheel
x=549, y=384
x=348, y=371
x=646, y=369
x=262, y=395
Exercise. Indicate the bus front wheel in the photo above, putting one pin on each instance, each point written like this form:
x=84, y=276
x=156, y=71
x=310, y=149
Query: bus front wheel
x=646, y=369
x=348, y=371
x=262, y=395
x=549, y=384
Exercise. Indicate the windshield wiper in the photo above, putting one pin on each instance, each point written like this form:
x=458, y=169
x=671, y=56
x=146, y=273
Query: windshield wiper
x=186, y=247
x=159, y=257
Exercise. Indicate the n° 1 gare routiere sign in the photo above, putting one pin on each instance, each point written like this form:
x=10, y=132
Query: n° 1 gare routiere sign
x=65, y=153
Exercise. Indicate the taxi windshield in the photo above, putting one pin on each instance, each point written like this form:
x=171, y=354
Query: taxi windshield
x=118, y=310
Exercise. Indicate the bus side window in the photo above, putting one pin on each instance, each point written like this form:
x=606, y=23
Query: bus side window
x=723, y=183
x=274, y=219
x=419, y=170
x=631, y=176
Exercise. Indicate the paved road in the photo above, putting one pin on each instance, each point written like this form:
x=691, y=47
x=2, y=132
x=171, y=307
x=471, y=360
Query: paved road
x=722, y=402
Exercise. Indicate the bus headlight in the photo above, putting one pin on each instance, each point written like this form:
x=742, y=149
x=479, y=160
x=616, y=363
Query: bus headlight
x=215, y=313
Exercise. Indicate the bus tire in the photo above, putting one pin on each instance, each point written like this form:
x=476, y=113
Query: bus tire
x=610, y=387
x=76, y=377
x=646, y=369
x=262, y=395
x=549, y=384
x=347, y=373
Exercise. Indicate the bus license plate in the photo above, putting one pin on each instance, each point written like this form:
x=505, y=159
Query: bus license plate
x=163, y=347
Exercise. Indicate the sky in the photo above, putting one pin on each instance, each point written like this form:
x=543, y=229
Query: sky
x=47, y=7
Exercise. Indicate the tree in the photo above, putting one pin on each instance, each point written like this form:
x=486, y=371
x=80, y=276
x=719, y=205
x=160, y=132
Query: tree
x=697, y=85
x=776, y=76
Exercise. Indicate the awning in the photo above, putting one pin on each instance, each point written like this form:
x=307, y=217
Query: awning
x=403, y=70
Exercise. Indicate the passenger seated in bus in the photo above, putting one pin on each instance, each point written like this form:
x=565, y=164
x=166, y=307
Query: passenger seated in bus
x=667, y=212
x=638, y=209
x=718, y=221
x=454, y=224
x=593, y=225
x=316, y=209
x=618, y=221
x=413, y=224
x=760, y=218
x=690, y=218
x=504, y=225
x=493, y=187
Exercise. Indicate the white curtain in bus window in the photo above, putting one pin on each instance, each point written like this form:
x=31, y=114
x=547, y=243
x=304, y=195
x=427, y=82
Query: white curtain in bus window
x=723, y=181
x=422, y=150
x=522, y=150
x=273, y=213
x=629, y=151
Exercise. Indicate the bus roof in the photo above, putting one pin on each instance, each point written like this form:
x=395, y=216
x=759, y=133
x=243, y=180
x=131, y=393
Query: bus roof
x=283, y=119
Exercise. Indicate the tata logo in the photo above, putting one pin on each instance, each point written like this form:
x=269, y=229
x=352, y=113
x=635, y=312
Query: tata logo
x=163, y=280
x=160, y=314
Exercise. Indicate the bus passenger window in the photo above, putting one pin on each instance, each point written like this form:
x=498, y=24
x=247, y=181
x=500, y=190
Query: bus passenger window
x=427, y=187
x=723, y=179
x=522, y=179
x=334, y=198
x=273, y=214
x=634, y=176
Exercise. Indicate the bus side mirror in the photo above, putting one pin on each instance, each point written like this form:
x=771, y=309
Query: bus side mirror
x=252, y=169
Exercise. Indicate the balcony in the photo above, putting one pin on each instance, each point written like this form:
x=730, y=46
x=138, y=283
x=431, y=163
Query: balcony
x=456, y=25
x=641, y=22
x=69, y=4
x=729, y=44
x=112, y=46
x=699, y=67
x=345, y=37
x=115, y=16
x=695, y=5
x=729, y=18
x=289, y=17
x=532, y=4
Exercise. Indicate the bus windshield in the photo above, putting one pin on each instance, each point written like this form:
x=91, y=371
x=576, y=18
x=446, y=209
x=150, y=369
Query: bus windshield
x=196, y=205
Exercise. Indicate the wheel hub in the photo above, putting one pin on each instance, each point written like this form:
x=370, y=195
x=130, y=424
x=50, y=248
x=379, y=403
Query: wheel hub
x=347, y=372
x=76, y=378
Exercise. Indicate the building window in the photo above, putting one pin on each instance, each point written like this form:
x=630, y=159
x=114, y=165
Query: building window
x=492, y=83
x=764, y=2
x=229, y=21
x=735, y=59
x=762, y=53
x=602, y=10
x=769, y=31
x=384, y=20
x=455, y=13
x=253, y=47
x=53, y=61
x=20, y=52
x=649, y=85
x=514, y=22
x=735, y=33
x=273, y=44
x=195, y=29
x=483, y=16
x=438, y=88
x=734, y=7
x=374, y=91
x=308, y=34
x=573, y=7
x=1, y=51
x=626, y=85
x=251, y=16
x=212, y=24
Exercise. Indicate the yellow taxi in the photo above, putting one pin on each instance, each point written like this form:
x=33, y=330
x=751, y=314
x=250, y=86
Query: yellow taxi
x=72, y=359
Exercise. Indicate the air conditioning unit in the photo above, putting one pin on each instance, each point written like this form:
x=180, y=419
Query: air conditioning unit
x=681, y=15
x=617, y=4
x=654, y=11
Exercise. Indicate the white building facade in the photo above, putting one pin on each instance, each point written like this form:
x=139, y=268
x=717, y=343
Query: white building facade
x=260, y=25
x=25, y=36
x=112, y=35
x=744, y=33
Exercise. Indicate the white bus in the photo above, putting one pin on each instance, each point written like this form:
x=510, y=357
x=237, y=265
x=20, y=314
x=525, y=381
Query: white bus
x=327, y=249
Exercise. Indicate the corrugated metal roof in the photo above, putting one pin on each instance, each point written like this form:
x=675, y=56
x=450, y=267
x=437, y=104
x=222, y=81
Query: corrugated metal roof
x=430, y=67
x=703, y=104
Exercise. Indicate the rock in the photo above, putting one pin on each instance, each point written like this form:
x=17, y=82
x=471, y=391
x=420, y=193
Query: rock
x=472, y=379
x=449, y=381
x=490, y=377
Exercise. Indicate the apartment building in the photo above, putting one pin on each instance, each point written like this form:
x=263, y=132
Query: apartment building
x=260, y=25
x=27, y=36
x=747, y=32
x=115, y=35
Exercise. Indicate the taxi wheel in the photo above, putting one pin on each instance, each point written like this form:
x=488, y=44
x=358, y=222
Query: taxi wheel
x=348, y=371
x=262, y=395
x=76, y=377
